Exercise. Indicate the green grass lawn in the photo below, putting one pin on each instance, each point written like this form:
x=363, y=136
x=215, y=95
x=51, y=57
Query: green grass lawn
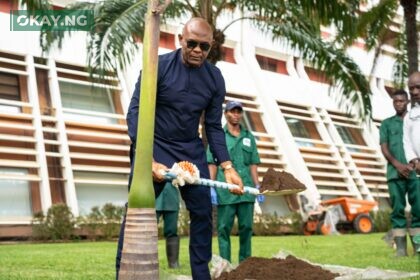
x=95, y=260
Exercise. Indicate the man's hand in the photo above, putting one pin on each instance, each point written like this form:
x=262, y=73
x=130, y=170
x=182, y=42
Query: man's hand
x=213, y=196
x=232, y=177
x=158, y=171
x=404, y=169
x=415, y=163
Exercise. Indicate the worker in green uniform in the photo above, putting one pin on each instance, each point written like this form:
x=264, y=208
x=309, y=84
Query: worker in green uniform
x=167, y=206
x=245, y=159
x=400, y=175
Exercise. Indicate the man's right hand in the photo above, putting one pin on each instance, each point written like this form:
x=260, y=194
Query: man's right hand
x=232, y=177
x=404, y=169
x=158, y=171
x=213, y=196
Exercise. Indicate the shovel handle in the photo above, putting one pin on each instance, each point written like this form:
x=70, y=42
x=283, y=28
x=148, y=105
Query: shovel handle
x=216, y=184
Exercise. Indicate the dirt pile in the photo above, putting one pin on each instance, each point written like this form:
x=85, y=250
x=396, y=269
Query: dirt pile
x=280, y=181
x=290, y=268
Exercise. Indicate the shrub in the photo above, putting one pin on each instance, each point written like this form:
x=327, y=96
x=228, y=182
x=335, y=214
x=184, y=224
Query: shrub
x=112, y=220
x=91, y=223
x=104, y=223
x=271, y=224
x=40, y=230
x=265, y=224
x=183, y=222
x=58, y=224
x=381, y=220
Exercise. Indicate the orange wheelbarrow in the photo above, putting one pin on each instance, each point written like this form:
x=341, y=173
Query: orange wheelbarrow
x=351, y=214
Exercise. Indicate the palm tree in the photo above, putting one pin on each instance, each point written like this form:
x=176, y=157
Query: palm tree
x=117, y=24
x=139, y=258
x=373, y=27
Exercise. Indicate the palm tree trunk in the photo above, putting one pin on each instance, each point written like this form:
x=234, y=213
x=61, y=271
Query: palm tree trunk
x=410, y=10
x=206, y=10
x=140, y=250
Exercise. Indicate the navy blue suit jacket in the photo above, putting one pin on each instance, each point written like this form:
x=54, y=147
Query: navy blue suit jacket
x=183, y=93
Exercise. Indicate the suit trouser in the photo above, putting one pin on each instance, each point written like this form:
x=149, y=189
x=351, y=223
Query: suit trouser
x=398, y=188
x=225, y=218
x=198, y=203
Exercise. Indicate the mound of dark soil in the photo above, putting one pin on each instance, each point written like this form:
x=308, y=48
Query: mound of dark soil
x=279, y=181
x=291, y=268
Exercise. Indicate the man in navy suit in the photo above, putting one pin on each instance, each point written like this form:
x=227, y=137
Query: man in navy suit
x=188, y=85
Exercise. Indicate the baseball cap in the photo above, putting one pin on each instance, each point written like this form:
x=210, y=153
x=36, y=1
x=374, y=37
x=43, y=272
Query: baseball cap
x=233, y=104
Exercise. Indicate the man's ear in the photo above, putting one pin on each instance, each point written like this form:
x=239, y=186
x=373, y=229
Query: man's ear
x=179, y=38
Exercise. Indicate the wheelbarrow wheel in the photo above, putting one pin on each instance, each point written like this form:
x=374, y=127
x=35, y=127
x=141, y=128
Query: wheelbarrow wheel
x=309, y=227
x=322, y=228
x=363, y=223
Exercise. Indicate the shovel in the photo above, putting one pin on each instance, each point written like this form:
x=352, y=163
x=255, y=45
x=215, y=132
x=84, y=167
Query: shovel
x=216, y=184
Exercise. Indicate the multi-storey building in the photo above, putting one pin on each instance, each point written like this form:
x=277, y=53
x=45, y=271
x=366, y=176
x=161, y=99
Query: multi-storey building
x=63, y=139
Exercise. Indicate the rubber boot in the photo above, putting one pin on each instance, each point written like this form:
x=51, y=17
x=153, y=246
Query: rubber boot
x=401, y=242
x=416, y=246
x=172, y=251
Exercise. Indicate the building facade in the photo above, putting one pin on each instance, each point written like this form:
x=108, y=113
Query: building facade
x=63, y=139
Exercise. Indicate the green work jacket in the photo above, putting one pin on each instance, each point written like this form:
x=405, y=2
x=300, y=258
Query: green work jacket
x=391, y=133
x=243, y=153
x=168, y=200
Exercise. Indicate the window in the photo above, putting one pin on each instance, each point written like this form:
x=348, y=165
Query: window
x=267, y=63
x=228, y=55
x=15, y=197
x=9, y=89
x=87, y=98
x=345, y=135
x=90, y=195
x=271, y=64
x=350, y=136
x=298, y=129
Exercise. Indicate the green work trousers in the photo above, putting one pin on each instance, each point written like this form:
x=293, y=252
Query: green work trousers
x=170, y=222
x=398, y=188
x=225, y=218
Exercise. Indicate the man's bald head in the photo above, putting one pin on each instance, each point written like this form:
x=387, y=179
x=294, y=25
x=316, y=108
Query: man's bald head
x=414, y=87
x=196, y=41
x=199, y=25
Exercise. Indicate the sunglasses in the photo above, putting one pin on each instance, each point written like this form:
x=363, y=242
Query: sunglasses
x=204, y=46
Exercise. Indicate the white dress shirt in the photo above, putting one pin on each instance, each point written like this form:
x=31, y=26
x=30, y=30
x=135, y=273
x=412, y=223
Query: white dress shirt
x=411, y=137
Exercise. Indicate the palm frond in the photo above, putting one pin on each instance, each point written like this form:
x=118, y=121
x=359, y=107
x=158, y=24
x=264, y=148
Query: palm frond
x=33, y=5
x=341, y=14
x=178, y=9
x=400, y=68
x=111, y=43
x=372, y=25
x=344, y=73
x=50, y=39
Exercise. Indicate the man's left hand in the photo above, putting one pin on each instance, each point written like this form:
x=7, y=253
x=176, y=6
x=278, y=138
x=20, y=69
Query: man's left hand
x=232, y=177
x=417, y=167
